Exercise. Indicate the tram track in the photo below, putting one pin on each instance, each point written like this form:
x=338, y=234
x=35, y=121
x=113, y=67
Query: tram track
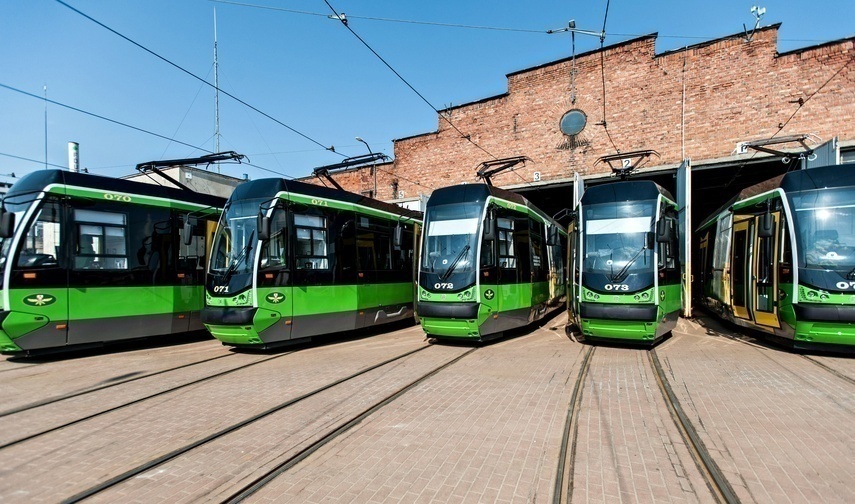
x=63, y=397
x=135, y=401
x=829, y=369
x=808, y=358
x=716, y=482
x=566, y=459
x=260, y=481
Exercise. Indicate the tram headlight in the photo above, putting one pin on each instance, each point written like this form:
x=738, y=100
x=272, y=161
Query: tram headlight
x=811, y=294
x=645, y=295
x=589, y=294
x=823, y=296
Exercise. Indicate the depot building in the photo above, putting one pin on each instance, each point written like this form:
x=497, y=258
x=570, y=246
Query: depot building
x=734, y=111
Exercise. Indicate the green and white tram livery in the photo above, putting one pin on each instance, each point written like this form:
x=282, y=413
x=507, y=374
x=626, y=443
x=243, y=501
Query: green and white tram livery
x=87, y=260
x=624, y=260
x=780, y=258
x=490, y=261
x=291, y=261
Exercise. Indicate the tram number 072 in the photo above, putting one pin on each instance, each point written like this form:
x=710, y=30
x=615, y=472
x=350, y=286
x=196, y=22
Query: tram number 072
x=617, y=287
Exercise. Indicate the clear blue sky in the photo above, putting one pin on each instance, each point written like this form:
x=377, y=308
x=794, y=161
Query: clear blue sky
x=305, y=70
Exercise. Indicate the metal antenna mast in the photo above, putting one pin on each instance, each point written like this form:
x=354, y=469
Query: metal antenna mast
x=216, y=93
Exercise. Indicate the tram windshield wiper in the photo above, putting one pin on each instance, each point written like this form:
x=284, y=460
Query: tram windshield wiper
x=625, y=270
x=454, y=262
x=238, y=258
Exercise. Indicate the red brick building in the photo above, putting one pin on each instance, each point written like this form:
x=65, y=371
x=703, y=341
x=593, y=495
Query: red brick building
x=698, y=102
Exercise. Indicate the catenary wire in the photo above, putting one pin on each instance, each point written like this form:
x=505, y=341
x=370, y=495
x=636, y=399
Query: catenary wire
x=474, y=27
x=277, y=121
x=43, y=99
x=462, y=135
x=603, y=74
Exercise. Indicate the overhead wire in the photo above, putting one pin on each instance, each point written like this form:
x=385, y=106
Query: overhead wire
x=447, y=120
x=783, y=125
x=53, y=102
x=803, y=102
x=465, y=136
x=277, y=121
x=41, y=98
x=603, y=74
x=41, y=162
x=471, y=27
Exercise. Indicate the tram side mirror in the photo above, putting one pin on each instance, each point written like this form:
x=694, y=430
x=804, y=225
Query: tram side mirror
x=649, y=240
x=664, y=232
x=490, y=226
x=398, y=237
x=766, y=226
x=552, y=236
x=263, y=225
x=188, y=230
x=7, y=223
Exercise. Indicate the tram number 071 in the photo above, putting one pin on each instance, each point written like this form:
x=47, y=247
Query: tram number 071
x=617, y=287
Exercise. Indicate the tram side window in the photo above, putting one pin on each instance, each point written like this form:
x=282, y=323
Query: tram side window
x=668, y=250
x=41, y=246
x=311, y=246
x=507, y=256
x=539, y=262
x=275, y=253
x=101, y=240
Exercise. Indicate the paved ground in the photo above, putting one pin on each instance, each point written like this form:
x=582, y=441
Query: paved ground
x=487, y=428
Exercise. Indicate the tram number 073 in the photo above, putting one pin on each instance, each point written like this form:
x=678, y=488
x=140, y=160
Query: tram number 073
x=617, y=287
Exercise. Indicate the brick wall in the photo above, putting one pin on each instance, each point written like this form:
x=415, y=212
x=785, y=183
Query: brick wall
x=696, y=102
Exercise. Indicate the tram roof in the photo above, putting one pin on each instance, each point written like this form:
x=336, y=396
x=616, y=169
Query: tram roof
x=625, y=190
x=800, y=180
x=268, y=188
x=473, y=193
x=479, y=193
x=36, y=181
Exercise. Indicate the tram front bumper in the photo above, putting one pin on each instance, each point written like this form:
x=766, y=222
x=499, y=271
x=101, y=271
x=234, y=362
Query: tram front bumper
x=619, y=322
x=824, y=325
x=237, y=325
x=450, y=320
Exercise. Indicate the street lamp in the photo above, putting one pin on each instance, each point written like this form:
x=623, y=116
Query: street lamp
x=373, y=166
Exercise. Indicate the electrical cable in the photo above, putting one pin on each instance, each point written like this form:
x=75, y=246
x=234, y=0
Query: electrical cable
x=473, y=27
x=277, y=121
x=803, y=102
x=43, y=99
x=462, y=135
x=603, y=74
x=32, y=160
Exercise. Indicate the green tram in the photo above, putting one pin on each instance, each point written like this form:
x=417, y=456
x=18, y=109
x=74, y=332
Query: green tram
x=490, y=262
x=293, y=260
x=780, y=258
x=88, y=260
x=624, y=260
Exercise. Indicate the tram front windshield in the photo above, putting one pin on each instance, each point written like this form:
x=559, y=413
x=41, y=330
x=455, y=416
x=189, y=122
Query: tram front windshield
x=19, y=209
x=615, y=238
x=825, y=228
x=450, y=238
x=235, y=243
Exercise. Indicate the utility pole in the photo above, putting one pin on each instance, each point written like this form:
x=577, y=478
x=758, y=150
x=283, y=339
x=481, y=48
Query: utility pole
x=216, y=93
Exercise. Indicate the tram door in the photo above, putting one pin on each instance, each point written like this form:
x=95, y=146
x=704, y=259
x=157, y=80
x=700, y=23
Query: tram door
x=38, y=284
x=765, y=274
x=739, y=267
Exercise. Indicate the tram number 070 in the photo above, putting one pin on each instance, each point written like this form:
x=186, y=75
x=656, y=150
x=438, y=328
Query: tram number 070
x=617, y=287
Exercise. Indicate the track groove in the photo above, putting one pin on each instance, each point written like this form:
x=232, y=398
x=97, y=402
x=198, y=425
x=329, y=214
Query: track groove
x=563, y=493
x=234, y=427
x=716, y=482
